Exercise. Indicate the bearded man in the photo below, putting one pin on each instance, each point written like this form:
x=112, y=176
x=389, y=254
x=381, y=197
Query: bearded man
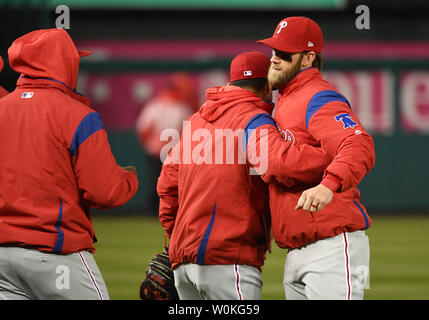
x=323, y=226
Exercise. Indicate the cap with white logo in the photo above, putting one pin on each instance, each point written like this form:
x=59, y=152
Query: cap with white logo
x=249, y=65
x=296, y=34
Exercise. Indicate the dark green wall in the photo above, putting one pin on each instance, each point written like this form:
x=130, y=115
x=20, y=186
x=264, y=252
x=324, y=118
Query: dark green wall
x=398, y=181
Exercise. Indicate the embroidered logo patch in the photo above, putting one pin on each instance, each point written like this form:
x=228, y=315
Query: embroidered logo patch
x=346, y=119
x=27, y=95
x=287, y=135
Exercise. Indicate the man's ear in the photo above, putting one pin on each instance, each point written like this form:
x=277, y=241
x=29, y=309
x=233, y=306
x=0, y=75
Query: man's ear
x=308, y=59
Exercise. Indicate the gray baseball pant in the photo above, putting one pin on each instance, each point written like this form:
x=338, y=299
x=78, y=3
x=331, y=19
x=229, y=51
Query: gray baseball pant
x=334, y=268
x=218, y=282
x=31, y=274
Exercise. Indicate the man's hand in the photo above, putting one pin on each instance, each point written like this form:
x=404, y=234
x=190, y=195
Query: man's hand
x=315, y=199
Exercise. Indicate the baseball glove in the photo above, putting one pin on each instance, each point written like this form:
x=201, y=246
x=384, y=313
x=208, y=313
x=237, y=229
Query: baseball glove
x=159, y=281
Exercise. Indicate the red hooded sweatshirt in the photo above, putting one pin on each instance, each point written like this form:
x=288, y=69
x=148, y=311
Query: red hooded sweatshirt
x=214, y=210
x=55, y=159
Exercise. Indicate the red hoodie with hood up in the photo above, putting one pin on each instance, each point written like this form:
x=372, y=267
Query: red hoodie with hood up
x=216, y=212
x=55, y=158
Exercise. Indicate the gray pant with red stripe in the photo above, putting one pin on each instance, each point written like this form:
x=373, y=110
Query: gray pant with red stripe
x=218, y=282
x=335, y=268
x=30, y=274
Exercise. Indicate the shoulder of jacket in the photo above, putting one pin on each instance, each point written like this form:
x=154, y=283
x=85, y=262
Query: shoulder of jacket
x=71, y=105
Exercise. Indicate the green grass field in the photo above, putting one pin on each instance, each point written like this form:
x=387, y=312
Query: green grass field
x=399, y=267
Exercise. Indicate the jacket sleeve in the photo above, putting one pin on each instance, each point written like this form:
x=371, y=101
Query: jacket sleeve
x=276, y=159
x=343, y=137
x=167, y=189
x=101, y=181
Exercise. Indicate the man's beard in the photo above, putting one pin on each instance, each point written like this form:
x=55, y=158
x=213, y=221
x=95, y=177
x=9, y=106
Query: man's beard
x=278, y=79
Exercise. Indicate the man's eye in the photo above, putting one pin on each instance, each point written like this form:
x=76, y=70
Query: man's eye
x=282, y=55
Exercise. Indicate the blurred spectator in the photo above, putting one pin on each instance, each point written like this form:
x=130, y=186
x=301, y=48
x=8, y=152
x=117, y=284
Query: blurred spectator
x=173, y=105
x=167, y=110
x=3, y=91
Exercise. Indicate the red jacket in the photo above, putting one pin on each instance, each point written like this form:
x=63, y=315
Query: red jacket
x=311, y=111
x=55, y=159
x=215, y=211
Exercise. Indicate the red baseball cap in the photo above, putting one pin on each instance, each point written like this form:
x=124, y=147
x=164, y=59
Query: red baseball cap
x=296, y=34
x=249, y=65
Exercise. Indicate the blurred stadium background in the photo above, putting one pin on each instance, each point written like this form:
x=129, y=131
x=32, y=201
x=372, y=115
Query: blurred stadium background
x=138, y=44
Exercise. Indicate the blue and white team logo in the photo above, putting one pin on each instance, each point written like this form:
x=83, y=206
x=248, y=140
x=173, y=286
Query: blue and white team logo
x=287, y=135
x=347, y=120
x=27, y=95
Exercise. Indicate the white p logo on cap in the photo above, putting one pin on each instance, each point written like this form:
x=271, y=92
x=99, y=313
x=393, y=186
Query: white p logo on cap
x=282, y=25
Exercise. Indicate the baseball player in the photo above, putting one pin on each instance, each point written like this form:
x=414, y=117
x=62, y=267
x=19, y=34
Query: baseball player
x=216, y=212
x=3, y=91
x=55, y=163
x=322, y=227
